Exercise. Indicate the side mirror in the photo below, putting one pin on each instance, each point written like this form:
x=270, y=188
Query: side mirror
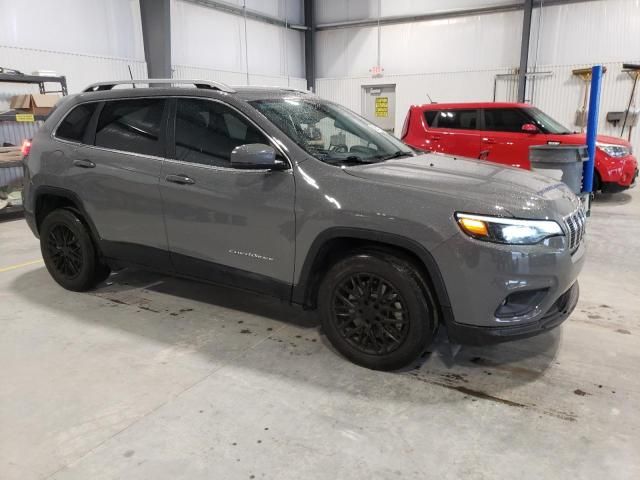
x=530, y=128
x=256, y=156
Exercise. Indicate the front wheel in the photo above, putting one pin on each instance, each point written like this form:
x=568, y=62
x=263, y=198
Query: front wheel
x=68, y=252
x=376, y=310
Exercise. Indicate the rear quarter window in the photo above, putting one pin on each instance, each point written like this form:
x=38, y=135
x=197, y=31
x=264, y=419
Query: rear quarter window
x=430, y=117
x=74, y=125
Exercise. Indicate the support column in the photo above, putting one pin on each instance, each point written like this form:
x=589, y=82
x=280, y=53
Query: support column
x=309, y=44
x=524, y=50
x=156, y=34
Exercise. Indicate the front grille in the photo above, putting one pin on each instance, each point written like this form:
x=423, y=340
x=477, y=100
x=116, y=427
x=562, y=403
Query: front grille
x=575, y=224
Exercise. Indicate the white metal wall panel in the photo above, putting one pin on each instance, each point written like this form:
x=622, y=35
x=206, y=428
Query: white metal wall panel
x=328, y=11
x=561, y=94
x=413, y=89
x=94, y=27
x=80, y=70
x=213, y=39
x=476, y=42
x=236, y=78
x=595, y=31
x=292, y=10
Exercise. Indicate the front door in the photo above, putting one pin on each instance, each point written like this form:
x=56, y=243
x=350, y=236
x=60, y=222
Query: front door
x=227, y=225
x=379, y=106
x=503, y=140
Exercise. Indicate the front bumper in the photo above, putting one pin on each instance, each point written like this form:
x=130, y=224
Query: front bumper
x=618, y=175
x=558, y=313
x=481, y=277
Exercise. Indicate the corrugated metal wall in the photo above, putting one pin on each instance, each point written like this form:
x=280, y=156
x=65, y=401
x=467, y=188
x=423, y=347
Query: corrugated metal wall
x=237, y=78
x=559, y=94
x=80, y=69
x=413, y=89
x=458, y=59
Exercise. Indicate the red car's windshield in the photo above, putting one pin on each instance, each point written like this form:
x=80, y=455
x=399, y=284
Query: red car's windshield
x=545, y=123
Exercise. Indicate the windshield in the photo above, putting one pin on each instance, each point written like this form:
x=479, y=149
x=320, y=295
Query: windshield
x=545, y=123
x=330, y=132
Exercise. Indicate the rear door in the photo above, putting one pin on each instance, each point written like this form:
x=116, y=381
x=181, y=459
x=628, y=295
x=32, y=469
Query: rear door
x=115, y=169
x=503, y=140
x=455, y=132
x=226, y=225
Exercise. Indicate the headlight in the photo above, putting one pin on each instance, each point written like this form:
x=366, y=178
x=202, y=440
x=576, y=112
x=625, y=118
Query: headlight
x=507, y=230
x=614, y=151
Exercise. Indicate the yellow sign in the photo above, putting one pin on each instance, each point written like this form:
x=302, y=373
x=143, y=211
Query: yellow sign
x=25, y=117
x=382, y=107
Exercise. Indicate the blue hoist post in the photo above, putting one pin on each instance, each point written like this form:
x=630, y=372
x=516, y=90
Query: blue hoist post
x=592, y=129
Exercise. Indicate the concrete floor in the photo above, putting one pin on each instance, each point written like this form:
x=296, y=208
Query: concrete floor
x=156, y=378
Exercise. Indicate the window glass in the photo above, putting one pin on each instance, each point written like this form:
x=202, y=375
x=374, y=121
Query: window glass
x=131, y=126
x=207, y=132
x=545, y=123
x=329, y=132
x=459, y=119
x=430, y=117
x=74, y=125
x=504, y=119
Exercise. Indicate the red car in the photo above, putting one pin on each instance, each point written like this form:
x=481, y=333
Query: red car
x=503, y=133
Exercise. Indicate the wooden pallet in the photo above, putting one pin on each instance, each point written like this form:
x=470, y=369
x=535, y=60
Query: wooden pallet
x=10, y=154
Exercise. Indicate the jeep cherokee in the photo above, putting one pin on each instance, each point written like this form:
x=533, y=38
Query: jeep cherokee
x=279, y=192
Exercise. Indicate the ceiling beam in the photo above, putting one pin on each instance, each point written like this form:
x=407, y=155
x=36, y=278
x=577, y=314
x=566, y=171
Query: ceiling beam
x=441, y=15
x=250, y=14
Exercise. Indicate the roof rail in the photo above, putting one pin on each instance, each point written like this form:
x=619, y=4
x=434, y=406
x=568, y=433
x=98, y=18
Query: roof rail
x=207, y=84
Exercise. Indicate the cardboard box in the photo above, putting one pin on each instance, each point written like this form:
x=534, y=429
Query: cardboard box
x=35, y=103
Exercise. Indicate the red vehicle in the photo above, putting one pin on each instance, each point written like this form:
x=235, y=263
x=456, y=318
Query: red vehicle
x=503, y=133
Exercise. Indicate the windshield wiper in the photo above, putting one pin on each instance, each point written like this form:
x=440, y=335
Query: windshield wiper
x=352, y=159
x=397, y=154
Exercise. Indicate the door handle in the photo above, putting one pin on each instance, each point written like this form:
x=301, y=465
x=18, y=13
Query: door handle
x=180, y=179
x=84, y=163
x=435, y=137
x=490, y=141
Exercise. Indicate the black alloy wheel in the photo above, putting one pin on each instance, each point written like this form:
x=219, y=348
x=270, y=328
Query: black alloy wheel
x=69, y=252
x=377, y=309
x=370, y=314
x=65, y=251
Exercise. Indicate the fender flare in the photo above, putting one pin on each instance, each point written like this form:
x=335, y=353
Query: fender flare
x=300, y=290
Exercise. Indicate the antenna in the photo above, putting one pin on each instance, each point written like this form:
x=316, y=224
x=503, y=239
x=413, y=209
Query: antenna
x=131, y=75
x=430, y=99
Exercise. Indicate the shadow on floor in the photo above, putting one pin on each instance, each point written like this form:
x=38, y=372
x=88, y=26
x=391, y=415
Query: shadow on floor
x=187, y=311
x=621, y=198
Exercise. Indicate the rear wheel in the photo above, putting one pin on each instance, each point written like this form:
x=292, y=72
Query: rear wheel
x=68, y=252
x=376, y=310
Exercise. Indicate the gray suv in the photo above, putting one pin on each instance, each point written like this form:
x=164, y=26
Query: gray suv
x=279, y=192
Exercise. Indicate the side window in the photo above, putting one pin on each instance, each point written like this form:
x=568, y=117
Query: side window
x=131, y=126
x=458, y=119
x=504, y=119
x=74, y=125
x=207, y=132
x=430, y=117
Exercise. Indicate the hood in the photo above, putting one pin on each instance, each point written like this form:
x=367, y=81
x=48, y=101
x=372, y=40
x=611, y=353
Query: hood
x=476, y=186
x=581, y=139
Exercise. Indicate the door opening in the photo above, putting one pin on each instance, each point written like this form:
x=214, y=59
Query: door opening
x=379, y=105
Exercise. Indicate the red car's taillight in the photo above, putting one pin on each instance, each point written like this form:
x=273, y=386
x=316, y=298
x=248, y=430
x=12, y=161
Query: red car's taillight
x=26, y=147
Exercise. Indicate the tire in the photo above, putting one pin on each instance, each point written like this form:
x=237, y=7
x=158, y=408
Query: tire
x=69, y=253
x=597, y=182
x=376, y=310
